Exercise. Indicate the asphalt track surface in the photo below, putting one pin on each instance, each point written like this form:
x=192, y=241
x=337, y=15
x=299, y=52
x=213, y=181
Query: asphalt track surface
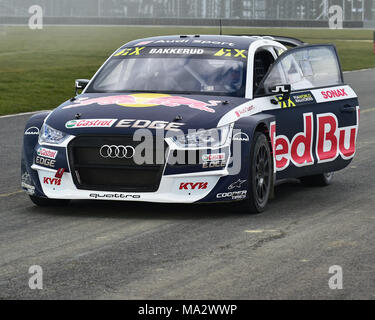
x=94, y=250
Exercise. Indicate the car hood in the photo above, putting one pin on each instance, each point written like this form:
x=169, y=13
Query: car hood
x=189, y=111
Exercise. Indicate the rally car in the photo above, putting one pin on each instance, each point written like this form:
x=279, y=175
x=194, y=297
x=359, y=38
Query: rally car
x=195, y=119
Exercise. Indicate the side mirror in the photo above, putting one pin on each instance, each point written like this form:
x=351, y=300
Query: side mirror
x=81, y=84
x=282, y=89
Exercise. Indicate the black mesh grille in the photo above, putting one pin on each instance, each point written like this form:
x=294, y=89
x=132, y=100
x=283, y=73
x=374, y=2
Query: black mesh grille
x=91, y=171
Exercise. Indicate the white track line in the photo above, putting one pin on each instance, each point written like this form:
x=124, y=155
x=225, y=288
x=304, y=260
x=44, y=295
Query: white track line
x=360, y=70
x=22, y=114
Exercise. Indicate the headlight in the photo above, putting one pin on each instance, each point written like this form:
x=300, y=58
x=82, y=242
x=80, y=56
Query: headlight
x=51, y=135
x=212, y=138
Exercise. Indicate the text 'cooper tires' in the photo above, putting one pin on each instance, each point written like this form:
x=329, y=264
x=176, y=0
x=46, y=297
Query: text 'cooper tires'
x=260, y=178
x=44, y=202
x=319, y=180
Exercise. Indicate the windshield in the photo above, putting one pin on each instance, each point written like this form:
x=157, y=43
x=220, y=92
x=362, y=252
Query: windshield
x=209, y=71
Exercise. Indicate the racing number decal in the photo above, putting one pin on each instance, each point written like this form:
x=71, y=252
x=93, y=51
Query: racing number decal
x=228, y=53
x=129, y=51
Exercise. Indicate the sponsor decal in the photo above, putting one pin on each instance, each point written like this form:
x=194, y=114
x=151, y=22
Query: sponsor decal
x=238, y=184
x=244, y=111
x=241, y=136
x=143, y=43
x=47, y=153
x=282, y=89
x=213, y=164
x=213, y=157
x=333, y=94
x=299, y=151
x=337, y=93
x=28, y=188
x=129, y=52
x=45, y=162
x=26, y=184
x=213, y=160
x=172, y=41
x=26, y=177
x=143, y=100
x=285, y=103
x=114, y=196
x=235, y=195
x=193, y=185
x=91, y=123
x=220, y=43
x=177, y=51
x=231, y=53
x=52, y=181
x=203, y=42
x=120, y=152
x=59, y=173
x=331, y=141
x=32, y=131
x=303, y=98
x=148, y=124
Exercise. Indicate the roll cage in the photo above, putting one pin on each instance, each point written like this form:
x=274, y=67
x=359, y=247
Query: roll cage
x=274, y=48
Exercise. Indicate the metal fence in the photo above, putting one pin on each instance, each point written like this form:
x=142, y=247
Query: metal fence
x=353, y=10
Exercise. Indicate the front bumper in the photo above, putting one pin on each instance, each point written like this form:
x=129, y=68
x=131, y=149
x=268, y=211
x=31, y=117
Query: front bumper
x=169, y=191
x=178, y=184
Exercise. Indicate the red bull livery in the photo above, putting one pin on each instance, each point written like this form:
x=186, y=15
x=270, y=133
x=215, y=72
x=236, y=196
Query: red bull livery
x=196, y=119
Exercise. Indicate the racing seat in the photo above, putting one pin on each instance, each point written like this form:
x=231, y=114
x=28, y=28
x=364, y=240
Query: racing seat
x=263, y=60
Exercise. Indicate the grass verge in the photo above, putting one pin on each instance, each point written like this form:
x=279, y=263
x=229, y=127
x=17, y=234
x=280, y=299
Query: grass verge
x=38, y=67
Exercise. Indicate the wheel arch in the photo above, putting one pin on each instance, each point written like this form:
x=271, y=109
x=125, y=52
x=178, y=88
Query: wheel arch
x=263, y=128
x=257, y=123
x=260, y=123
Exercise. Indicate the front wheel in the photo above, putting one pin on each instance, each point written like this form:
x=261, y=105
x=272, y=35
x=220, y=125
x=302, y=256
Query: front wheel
x=318, y=180
x=44, y=202
x=260, y=177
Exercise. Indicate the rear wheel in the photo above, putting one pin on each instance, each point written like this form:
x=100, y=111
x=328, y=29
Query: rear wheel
x=260, y=178
x=318, y=180
x=44, y=202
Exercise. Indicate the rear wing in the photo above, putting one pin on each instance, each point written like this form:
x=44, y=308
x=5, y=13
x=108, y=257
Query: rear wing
x=286, y=41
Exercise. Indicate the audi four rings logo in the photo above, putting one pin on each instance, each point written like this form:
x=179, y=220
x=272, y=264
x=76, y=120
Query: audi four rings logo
x=120, y=152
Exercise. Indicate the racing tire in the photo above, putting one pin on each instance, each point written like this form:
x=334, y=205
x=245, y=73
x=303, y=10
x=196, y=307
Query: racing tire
x=319, y=180
x=260, y=177
x=44, y=202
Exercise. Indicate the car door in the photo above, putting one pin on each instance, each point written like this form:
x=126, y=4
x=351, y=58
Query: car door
x=316, y=113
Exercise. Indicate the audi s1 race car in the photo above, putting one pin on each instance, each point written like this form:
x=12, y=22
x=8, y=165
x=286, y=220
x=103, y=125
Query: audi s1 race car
x=195, y=119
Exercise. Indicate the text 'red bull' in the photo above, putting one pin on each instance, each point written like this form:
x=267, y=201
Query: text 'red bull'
x=331, y=141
